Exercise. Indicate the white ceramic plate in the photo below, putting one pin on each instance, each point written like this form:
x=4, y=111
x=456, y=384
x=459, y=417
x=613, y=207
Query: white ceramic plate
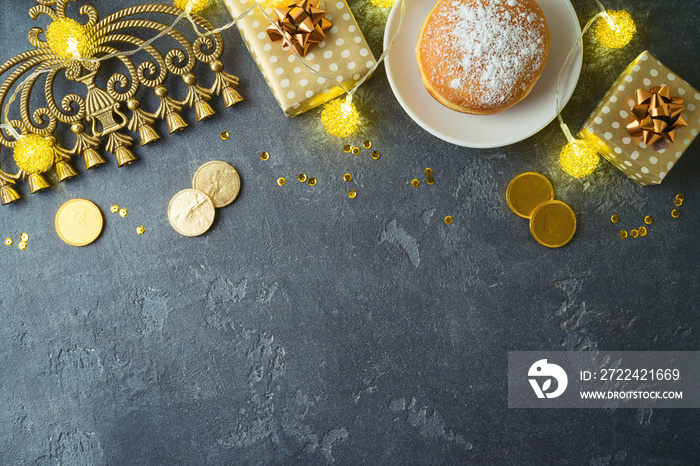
x=481, y=131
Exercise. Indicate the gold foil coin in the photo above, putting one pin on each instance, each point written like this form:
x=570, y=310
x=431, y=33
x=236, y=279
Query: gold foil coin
x=219, y=181
x=527, y=191
x=79, y=222
x=191, y=212
x=553, y=224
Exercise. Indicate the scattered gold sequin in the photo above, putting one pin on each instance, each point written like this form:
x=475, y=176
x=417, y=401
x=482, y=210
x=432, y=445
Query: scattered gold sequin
x=428, y=171
x=367, y=144
x=634, y=233
x=352, y=194
x=355, y=151
x=312, y=181
x=9, y=241
x=225, y=135
x=22, y=245
x=415, y=183
x=302, y=177
x=678, y=202
x=265, y=156
x=675, y=213
x=449, y=220
x=347, y=148
x=376, y=154
x=615, y=218
x=681, y=197
x=281, y=181
x=24, y=237
x=123, y=213
x=140, y=230
x=430, y=180
x=648, y=219
x=623, y=234
x=347, y=177
x=114, y=209
x=642, y=231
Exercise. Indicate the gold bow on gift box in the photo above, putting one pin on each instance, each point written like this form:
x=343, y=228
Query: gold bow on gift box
x=656, y=115
x=302, y=23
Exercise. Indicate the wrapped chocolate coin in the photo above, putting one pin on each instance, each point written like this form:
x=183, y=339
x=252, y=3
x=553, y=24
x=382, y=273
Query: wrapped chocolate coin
x=219, y=181
x=79, y=222
x=553, y=224
x=526, y=191
x=191, y=212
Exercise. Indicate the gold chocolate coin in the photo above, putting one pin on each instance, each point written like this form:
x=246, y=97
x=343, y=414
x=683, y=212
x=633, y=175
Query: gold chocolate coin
x=553, y=224
x=79, y=222
x=191, y=212
x=526, y=191
x=219, y=181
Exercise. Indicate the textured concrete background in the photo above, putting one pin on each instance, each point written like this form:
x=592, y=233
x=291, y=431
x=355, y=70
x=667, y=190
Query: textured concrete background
x=308, y=328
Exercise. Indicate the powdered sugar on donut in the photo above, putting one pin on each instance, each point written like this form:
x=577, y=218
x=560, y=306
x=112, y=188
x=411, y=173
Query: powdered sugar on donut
x=492, y=49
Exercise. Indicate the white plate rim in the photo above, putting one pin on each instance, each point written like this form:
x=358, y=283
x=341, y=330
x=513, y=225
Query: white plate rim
x=569, y=81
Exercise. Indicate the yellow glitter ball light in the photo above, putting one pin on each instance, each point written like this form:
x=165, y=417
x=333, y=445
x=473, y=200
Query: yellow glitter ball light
x=195, y=6
x=618, y=36
x=340, y=118
x=383, y=3
x=579, y=158
x=33, y=154
x=67, y=38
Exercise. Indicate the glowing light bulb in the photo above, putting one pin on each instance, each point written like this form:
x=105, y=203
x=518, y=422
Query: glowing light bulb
x=617, y=30
x=195, y=6
x=579, y=158
x=383, y=3
x=67, y=38
x=340, y=117
x=33, y=154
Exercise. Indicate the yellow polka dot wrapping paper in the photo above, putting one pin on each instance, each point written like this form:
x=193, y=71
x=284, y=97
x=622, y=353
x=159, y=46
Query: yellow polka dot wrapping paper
x=606, y=127
x=343, y=55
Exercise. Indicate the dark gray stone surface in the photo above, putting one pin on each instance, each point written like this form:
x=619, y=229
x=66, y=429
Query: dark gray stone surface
x=308, y=328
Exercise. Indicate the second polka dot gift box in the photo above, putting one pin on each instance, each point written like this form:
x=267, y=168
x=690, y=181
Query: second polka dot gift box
x=336, y=48
x=646, y=121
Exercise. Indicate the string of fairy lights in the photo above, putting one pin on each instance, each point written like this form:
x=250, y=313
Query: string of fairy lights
x=340, y=117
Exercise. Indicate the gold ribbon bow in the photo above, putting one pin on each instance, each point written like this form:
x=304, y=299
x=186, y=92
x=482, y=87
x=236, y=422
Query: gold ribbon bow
x=302, y=23
x=656, y=115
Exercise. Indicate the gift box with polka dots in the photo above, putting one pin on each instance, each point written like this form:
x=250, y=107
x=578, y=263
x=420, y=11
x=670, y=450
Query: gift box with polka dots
x=607, y=125
x=343, y=55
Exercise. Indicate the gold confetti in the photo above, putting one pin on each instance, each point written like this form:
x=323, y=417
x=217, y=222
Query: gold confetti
x=312, y=181
x=428, y=171
x=648, y=219
x=675, y=213
x=623, y=234
x=430, y=180
x=615, y=218
x=225, y=135
x=352, y=194
x=642, y=231
x=347, y=177
x=24, y=237
x=265, y=156
x=355, y=151
x=140, y=230
x=9, y=242
x=114, y=209
x=449, y=220
x=415, y=183
x=367, y=144
x=281, y=181
x=376, y=154
x=302, y=177
x=22, y=245
x=123, y=213
x=347, y=148
x=634, y=233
